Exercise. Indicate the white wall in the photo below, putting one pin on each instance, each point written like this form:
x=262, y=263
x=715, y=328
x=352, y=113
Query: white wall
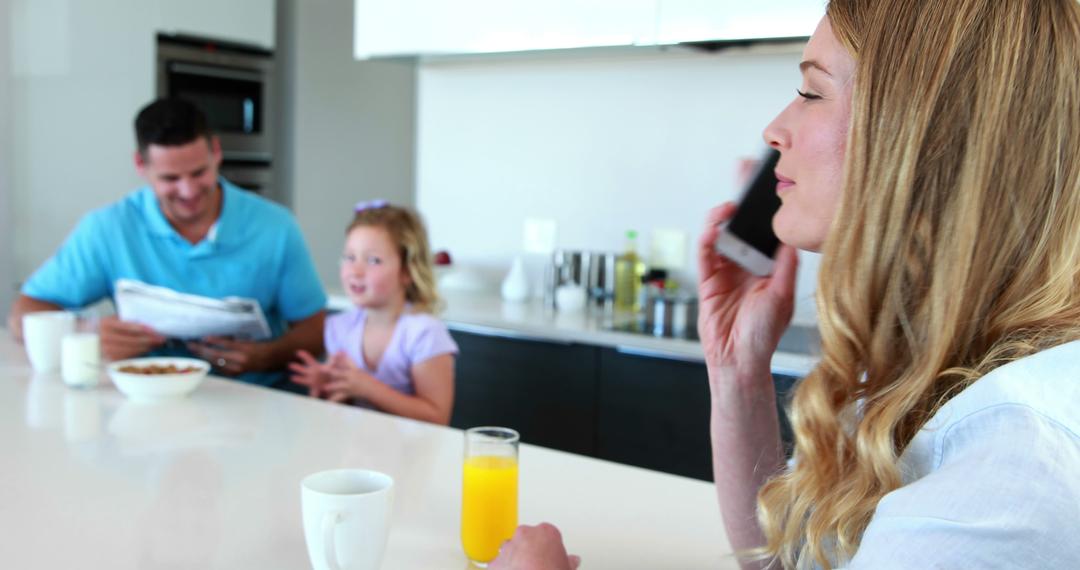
x=80, y=71
x=352, y=128
x=600, y=144
x=247, y=21
x=7, y=260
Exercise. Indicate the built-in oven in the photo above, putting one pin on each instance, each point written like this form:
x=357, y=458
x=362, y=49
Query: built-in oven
x=232, y=84
x=256, y=176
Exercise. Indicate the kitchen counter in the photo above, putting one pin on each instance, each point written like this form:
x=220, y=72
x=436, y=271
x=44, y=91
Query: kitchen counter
x=488, y=314
x=212, y=481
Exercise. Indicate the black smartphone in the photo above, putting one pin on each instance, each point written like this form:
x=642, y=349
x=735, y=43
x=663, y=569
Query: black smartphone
x=748, y=238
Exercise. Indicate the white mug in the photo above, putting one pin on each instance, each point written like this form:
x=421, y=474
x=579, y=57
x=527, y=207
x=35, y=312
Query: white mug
x=346, y=518
x=42, y=334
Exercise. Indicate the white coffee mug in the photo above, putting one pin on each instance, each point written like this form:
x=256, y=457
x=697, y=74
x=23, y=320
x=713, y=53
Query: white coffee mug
x=346, y=518
x=42, y=334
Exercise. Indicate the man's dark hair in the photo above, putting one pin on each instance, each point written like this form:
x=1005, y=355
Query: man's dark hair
x=169, y=122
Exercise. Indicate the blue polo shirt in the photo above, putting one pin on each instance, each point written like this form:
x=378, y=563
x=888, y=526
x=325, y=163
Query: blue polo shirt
x=254, y=250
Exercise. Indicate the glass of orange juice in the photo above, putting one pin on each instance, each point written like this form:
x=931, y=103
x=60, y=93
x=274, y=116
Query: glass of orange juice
x=489, y=494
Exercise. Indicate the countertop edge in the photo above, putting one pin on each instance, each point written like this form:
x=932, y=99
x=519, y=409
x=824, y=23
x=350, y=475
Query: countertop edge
x=489, y=315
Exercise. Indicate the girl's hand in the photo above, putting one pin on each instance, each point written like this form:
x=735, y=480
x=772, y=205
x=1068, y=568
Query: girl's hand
x=741, y=316
x=345, y=379
x=309, y=372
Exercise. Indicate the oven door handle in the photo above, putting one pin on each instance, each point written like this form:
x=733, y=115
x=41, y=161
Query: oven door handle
x=212, y=71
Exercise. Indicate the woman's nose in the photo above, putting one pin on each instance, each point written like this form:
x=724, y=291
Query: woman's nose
x=776, y=134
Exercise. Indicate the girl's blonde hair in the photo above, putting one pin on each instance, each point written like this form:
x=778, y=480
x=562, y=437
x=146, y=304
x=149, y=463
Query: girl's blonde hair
x=407, y=231
x=962, y=176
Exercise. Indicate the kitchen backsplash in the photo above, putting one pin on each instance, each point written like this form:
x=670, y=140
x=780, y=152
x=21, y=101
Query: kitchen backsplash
x=597, y=144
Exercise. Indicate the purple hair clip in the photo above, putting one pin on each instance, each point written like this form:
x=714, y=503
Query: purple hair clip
x=371, y=205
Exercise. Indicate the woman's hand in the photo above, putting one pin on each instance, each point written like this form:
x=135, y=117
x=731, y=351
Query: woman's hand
x=309, y=372
x=741, y=316
x=537, y=547
x=345, y=380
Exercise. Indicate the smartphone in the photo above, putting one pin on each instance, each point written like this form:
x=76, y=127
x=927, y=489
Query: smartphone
x=748, y=238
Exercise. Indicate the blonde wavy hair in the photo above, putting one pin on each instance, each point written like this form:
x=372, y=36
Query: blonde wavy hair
x=963, y=173
x=407, y=231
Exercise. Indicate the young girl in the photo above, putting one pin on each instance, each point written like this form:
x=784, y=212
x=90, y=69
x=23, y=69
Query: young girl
x=390, y=352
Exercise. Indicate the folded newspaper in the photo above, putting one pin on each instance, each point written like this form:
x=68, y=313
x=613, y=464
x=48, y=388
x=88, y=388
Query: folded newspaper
x=184, y=316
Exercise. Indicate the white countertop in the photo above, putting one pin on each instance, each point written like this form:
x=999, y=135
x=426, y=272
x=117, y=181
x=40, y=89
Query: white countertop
x=489, y=314
x=92, y=480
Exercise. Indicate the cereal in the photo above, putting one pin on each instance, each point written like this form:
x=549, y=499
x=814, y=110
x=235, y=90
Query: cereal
x=154, y=369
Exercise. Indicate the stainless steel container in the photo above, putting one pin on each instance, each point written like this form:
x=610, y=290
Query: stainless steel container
x=572, y=267
x=594, y=271
x=567, y=268
x=671, y=315
x=601, y=278
x=684, y=317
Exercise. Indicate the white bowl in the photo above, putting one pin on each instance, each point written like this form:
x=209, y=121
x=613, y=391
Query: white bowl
x=158, y=387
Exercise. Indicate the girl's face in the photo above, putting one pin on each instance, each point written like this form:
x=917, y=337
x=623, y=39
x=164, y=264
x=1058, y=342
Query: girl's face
x=371, y=268
x=811, y=135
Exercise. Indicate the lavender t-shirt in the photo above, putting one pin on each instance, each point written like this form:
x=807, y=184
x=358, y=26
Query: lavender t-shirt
x=416, y=338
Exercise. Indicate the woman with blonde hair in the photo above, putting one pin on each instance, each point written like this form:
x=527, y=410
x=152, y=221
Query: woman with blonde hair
x=933, y=157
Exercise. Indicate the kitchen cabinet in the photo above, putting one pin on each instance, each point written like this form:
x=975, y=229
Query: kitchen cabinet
x=704, y=20
x=544, y=390
x=431, y=27
x=244, y=21
x=654, y=412
x=620, y=405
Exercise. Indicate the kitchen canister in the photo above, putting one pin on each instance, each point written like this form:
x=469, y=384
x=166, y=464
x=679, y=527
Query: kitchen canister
x=516, y=285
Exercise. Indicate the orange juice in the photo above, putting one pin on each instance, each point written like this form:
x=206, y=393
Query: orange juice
x=489, y=505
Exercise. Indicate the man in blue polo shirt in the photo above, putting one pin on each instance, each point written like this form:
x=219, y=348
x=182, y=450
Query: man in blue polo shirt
x=194, y=232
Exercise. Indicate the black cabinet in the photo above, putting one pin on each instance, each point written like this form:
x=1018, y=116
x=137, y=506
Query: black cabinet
x=544, y=390
x=654, y=413
x=634, y=408
x=784, y=385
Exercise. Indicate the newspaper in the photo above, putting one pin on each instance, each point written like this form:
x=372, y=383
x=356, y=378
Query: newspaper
x=183, y=316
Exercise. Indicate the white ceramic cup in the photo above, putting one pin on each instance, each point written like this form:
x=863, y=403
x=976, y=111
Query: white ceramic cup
x=347, y=518
x=80, y=359
x=42, y=335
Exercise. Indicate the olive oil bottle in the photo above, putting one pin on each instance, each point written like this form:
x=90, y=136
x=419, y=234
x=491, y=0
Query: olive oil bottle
x=629, y=269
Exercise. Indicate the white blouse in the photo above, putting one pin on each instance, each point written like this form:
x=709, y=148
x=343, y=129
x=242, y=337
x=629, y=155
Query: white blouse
x=993, y=479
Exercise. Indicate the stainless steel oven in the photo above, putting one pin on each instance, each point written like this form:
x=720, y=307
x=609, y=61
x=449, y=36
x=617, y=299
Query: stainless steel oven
x=256, y=176
x=232, y=84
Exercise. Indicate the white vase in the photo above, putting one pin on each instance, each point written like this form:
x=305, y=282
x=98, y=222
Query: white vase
x=516, y=285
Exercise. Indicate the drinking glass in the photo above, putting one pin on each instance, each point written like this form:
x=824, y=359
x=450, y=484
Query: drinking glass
x=80, y=359
x=489, y=496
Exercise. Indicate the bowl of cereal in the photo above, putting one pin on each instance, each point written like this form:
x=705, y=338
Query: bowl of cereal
x=154, y=379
